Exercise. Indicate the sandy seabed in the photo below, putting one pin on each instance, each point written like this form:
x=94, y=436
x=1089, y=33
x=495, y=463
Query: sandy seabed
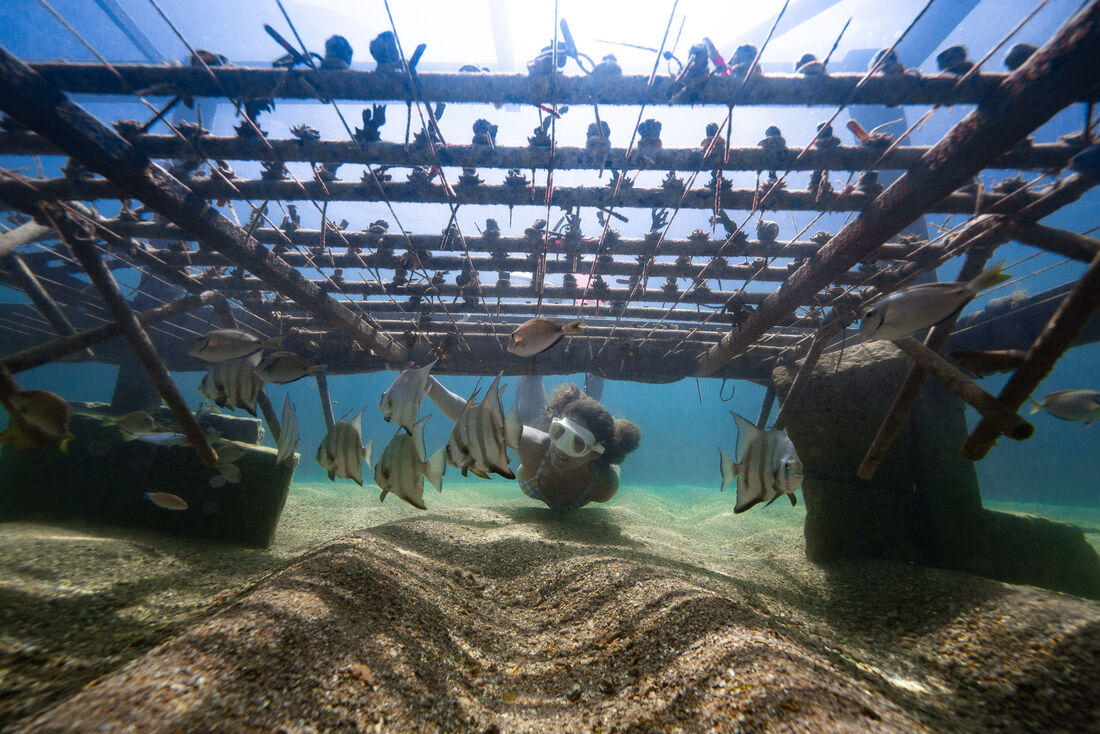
x=660, y=612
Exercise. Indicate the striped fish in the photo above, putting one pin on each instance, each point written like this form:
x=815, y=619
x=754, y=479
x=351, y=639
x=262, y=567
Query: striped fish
x=233, y=384
x=767, y=465
x=401, y=402
x=342, y=452
x=288, y=439
x=402, y=468
x=481, y=436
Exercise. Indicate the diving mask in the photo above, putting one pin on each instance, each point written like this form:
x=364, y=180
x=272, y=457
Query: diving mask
x=573, y=439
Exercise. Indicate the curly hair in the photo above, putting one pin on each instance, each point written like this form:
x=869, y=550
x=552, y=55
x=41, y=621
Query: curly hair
x=619, y=437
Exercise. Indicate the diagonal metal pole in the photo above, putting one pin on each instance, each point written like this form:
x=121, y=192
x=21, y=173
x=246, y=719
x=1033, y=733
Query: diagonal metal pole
x=31, y=99
x=1052, y=78
x=38, y=295
x=84, y=250
x=66, y=345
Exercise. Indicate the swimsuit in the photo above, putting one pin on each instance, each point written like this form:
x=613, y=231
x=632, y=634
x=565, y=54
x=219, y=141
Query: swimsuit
x=530, y=488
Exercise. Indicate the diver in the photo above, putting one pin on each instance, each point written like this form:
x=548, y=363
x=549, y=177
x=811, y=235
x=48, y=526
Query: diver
x=571, y=446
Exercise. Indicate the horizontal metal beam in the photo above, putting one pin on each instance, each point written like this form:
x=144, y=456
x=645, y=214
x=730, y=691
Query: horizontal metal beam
x=773, y=89
x=563, y=196
x=846, y=158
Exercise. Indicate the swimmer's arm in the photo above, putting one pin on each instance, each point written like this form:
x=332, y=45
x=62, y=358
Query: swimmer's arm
x=445, y=400
x=606, y=486
x=533, y=445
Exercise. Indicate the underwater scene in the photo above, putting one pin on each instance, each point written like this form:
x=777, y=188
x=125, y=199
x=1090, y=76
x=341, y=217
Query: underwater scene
x=534, y=367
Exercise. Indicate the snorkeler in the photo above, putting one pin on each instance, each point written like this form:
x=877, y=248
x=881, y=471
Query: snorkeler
x=571, y=447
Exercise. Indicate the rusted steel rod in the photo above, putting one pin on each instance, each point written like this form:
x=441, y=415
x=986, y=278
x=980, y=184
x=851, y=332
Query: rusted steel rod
x=1053, y=77
x=432, y=242
x=326, y=401
x=906, y=397
x=36, y=103
x=1060, y=242
x=772, y=89
x=65, y=346
x=1059, y=334
x=846, y=158
x=813, y=354
x=1000, y=416
x=766, y=406
x=39, y=297
x=84, y=251
x=562, y=196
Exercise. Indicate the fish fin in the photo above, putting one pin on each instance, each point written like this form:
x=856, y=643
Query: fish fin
x=506, y=472
x=365, y=452
x=747, y=432
x=436, y=466
x=773, y=499
x=231, y=472
x=574, y=327
x=127, y=436
x=331, y=475
x=480, y=473
x=382, y=496
x=728, y=468
x=274, y=343
x=418, y=438
x=63, y=447
x=746, y=502
x=513, y=429
x=1035, y=406
x=988, y=278
x=794, y=500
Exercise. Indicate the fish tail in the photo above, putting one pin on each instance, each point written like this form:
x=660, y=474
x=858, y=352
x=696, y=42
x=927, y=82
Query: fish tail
x=366, y=451
x=1035, y=406
x=728, y=468
x=127, y=436
x=274, y=343
x=64, y=445
x=988, y=278
x=575, y=327
x=436, y=466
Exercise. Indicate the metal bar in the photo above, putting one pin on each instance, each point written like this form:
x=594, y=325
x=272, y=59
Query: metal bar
x=817, y=346
x=561, y=196
x=1000, y=416
x=1053, y=77
x=84, y=250
x=766, y=407
x=113, y=10
x=63, y=347
x=38, y=295
x=1041, y=157
x=32, y=100
x=906, y=397
x=1058, y=241
x=326, y=401
x=771, y=89
x=270, y=415
x=1059, y=334
x=431, y=242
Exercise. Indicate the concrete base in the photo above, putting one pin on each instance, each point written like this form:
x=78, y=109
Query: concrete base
x=923, y=505
x=104, y=479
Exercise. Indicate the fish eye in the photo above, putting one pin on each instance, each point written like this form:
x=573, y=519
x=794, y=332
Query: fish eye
x=869, y=313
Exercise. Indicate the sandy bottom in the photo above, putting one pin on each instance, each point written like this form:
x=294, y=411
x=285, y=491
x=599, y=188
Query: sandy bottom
x=661, y=612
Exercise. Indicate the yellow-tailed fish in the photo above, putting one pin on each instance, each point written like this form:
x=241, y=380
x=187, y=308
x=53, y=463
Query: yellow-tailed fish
x=220, y=345
x=282, y=368
x=1079, y=404
x=46, y=413
x=539, y=334
x=899, y=314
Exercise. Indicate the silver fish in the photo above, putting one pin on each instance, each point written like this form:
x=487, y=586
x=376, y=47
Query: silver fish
x=167, y=500
x=288, y=439
x=401, y=402
x=481, y=436
x=1071, y=405
x=233, y=384
x=767, y=465
x=133, y=424
x=164, y=438
x=402, y=468
x=342, y=452
x=539, y=334
x=917, y=307
x=220, y=345
x=281, y=368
